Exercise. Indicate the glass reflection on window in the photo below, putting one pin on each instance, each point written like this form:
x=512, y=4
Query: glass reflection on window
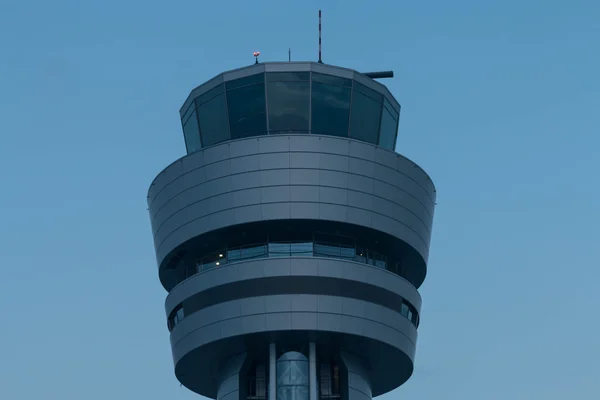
x=288, y=106
x=366, y=114
x=213, y=121
x=330, y=106
x=246, y=108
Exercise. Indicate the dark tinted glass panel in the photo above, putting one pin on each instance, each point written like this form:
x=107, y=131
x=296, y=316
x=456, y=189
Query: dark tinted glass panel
x=330, y=109
x=204, y=97
x=248, y=80
x=247, y=111
x=332, y=80
x=191, y=134
x=387, y=134
x=213, y=121
x=288, y=106
x=365, y=118
x=370, y=93
x=288, y=76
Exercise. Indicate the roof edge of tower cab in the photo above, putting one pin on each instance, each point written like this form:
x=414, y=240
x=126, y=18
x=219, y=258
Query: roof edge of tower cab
x=367, y=78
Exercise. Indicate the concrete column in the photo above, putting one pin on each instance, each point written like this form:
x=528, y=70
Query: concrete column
x=272, y=372
x=229, y=382
x=358, y=385
x=312, y=370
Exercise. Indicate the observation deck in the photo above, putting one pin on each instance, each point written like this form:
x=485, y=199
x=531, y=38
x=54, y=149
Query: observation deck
x=291, y=97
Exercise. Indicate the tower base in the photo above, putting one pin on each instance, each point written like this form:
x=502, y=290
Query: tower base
x=294, y=372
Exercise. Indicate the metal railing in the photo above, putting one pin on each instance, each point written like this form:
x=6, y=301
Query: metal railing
x=294, y=249
x=297, y=249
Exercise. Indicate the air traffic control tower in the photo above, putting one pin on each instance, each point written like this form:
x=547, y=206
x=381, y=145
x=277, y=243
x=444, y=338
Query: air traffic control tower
x=292, y=238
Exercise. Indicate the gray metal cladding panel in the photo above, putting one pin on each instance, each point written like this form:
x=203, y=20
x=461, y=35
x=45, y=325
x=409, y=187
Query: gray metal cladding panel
x=253, y=271
x=211, y=324
x=294, y=176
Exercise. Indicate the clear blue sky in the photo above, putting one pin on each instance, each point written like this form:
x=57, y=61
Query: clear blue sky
x=500, y=104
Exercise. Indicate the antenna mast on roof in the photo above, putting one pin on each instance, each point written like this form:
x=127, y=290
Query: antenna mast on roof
x=320, y=60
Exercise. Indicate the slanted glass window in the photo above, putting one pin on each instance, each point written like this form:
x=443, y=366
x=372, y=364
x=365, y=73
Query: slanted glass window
x=192, y=134
x=389, y=126
x=330, y=107
x=288, y=101
x=246, y=107
x=213, y=121
x=366, y=114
